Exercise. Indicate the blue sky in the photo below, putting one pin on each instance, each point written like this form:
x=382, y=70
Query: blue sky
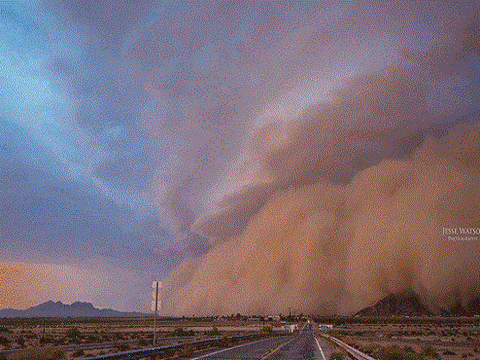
x=76, y=174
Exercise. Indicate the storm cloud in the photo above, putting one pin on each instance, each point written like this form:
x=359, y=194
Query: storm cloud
x=346, y=201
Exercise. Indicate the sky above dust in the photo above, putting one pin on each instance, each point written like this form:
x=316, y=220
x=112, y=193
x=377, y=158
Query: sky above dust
x=253, y=155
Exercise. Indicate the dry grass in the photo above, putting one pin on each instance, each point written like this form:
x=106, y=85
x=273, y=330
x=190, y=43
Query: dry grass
x=41, y=354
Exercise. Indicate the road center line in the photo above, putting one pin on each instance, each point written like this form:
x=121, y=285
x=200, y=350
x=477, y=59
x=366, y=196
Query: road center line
x=320, y=348
x=278, y=348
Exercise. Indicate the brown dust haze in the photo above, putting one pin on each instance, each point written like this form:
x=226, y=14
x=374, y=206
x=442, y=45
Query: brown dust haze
x=335, y=208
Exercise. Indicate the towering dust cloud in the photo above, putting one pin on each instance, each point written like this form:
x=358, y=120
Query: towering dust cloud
x=360, y=195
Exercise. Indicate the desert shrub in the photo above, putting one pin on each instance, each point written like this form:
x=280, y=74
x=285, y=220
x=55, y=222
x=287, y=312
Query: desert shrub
x=123, y=347
x=118, y=336
x=370, y=350
x=4, y=341
x=62, y=341
x=92, y=338
x=4, y=329
x=106, y=338
x=187, y=350
x=78, y=353
x=225, y=342
x=46, y=340
x=395, y=353
x=178, y=332
x=213, y=332
x=47, y=353
x=73, y=333
x=143, y=342
x=448, y=352
x=336, y=356
x=21, y=341
x=181, y=332
x=266, y=330
x=429, y=351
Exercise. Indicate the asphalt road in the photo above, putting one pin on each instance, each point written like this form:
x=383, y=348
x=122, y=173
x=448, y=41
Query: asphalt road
x=327, y=349
x=303, y=346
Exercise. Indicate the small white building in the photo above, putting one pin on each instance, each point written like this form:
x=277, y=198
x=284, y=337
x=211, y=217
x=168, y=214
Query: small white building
x=290, y=328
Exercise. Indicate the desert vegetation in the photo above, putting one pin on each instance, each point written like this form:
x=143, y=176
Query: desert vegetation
x=47, y=353
x=118, y=335
x=419, y=338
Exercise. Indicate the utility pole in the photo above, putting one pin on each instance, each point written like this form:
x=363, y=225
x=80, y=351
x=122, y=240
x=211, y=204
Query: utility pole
x=156, y=285
x=155, y=317
x=43, y=334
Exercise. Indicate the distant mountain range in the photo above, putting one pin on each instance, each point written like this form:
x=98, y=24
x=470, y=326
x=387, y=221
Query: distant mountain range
x=58, y=309
x=408, y=303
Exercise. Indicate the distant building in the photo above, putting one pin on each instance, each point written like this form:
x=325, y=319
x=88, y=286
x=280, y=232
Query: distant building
x=325, y=327
x=290, y=328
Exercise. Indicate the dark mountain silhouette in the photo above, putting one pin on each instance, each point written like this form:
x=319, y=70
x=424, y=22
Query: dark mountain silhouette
x=407, y=303
x=471, y=309
x=58, y=309
x=473, y=306
x=456, y=310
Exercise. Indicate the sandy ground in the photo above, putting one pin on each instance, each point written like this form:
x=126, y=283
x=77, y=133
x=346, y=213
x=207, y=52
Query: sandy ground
x=450, y=341
x=25, y=334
